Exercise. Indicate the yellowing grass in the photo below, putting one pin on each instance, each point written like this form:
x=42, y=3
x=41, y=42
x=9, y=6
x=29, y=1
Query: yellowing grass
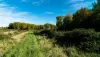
x=35, y=46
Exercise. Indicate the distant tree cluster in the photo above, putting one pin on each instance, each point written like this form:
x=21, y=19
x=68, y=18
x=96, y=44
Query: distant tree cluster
x=21, y=26
x=27, y=26
x=82, y=18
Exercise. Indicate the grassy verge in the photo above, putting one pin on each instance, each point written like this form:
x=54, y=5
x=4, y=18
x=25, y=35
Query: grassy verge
x=39, y=46
x=35, y=46
x=6, y=40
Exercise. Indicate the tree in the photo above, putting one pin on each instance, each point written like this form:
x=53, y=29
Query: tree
x=80, y=16
x=96, y=7
x=48, y=26
x=59, y=22
x=95, y=22
x=67, y=21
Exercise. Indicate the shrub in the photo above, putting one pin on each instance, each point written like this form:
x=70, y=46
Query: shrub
x=73, y=52
x=52, y=34
x=36, y=32
x=85, y=39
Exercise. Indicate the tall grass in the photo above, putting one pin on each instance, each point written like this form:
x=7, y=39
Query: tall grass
x=6, y=40
x=28, y=48
x=5, y=43
x=35, y=46
x=39, y=46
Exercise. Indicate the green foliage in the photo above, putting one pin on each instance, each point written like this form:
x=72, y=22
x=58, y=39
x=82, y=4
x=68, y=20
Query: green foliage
x=59, y=22
x=67, y=22
x=28, y=48
x=81, y=14
x=80, y=19
x=35, y=46
x=85, y=39
x=27, y=26
x=73, y=52
x=96, y=7
x=48, y=26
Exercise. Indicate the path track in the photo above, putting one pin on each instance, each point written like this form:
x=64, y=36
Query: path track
x=19, y=37
x=5, y=45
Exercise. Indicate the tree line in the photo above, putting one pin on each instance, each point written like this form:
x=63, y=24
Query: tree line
x=27, y=26
x=82, y=18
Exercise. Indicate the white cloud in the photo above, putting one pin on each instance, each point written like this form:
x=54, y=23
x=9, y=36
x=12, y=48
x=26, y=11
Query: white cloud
x=36, y=3
x=77, y=0
x=8, y=15
x=3, y=5
x=49, y=13
x=39, y=2
x=80, y=5
x=77, y=4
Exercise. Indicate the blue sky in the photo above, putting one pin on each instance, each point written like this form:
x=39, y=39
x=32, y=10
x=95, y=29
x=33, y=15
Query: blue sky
x=38, y=11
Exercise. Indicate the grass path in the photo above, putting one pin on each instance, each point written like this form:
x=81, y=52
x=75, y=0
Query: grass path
x=35, y=46
x=7, y=44
x=28, y=48
x=19, y=37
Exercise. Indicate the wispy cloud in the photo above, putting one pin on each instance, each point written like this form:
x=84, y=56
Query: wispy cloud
x=49, y=13
x=72, y=1
x=9, y=14
x=81, y=4
x=77, y=4
x=3, y=5
x=39, y=2
x=36, y=3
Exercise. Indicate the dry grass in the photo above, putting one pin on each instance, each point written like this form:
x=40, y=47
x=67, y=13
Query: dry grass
x=36, y=46
x=7, y=41
x=49, y=48
x=19, y=37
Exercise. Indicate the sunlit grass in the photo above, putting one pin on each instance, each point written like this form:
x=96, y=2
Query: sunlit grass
x=40, y=46
x=35, y=46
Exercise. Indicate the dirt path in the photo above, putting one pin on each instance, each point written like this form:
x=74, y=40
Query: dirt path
x=5, y=45
x=19, y=37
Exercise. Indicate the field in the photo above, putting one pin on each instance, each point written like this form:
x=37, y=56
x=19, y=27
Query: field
x=35, y=46
x=28, y=44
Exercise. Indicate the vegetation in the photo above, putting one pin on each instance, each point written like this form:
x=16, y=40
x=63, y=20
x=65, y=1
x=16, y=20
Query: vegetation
x=35, y=46
x=27, y=26
x=74, y=35
x=82, y=18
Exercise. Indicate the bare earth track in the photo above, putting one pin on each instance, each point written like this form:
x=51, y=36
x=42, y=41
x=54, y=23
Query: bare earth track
x=5, y=45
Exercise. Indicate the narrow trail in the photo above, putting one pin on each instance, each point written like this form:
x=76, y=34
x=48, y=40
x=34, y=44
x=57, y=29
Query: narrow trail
x=5, y=45
x=19, y=37
x=35, y=46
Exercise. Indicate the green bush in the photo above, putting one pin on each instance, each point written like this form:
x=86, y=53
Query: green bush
x=73, y=52
x=52, y=34
x=36, y=32
x=85, y=39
